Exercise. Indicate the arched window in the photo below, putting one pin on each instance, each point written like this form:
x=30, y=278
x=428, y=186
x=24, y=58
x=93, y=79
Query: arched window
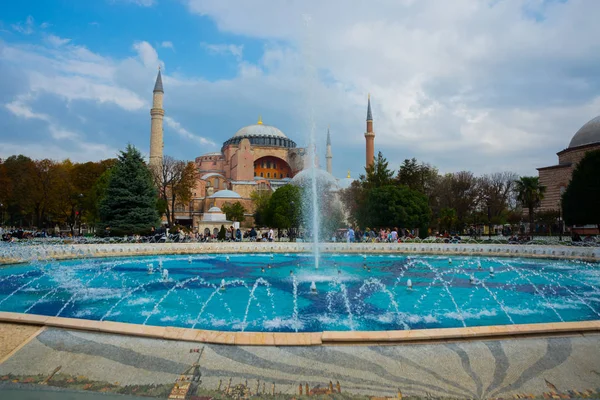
x=268, y=174
x=280, y=176
x=217, y=183
x=261, y=175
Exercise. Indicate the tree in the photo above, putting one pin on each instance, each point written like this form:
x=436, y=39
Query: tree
x=420, y=177
x=447, y=219
x=235, y=211
x=284, y=207
x=377, y=174
x=530, y=194
x=398, y=206
x=129, y=206
x=582, y=197
x=496, y=191
x=175, y=180
x=261, y=198
x=20, y=171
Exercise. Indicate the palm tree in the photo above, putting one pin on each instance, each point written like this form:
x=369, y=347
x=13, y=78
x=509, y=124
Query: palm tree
x=530, y=193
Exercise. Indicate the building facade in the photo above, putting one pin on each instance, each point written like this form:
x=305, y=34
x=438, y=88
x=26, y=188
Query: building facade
x=256, y=158
x=557, y=177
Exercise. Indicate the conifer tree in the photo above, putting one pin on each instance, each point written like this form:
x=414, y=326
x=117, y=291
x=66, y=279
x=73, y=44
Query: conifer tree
x=129, y=204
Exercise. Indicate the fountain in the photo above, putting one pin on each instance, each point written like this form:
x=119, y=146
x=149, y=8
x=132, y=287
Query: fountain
x=150, y=268
x=165, y=274
x=313, y=287
x=409, y=284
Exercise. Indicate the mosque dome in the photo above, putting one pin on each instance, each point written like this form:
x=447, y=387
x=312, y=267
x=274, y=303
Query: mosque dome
x=324, y=178
x=214, y=210
x=259, y=130
x=587, y=134
x=260, y=134
x=225, y=194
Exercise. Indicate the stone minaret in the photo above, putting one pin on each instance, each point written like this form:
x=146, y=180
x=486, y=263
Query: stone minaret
x=156, y=128
x=370, y=135
x=328, y=155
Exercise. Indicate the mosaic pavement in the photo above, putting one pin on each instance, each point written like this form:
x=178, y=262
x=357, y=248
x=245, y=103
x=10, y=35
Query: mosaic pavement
x=554, y=367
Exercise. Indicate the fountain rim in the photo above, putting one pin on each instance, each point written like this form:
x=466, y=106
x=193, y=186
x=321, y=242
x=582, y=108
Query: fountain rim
x=306, y=338
x=117, y=250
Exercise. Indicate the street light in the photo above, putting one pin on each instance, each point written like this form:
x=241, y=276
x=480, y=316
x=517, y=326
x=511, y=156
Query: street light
x=489, y=219
x=293, y=233
x=560, y=221
x=80, y=207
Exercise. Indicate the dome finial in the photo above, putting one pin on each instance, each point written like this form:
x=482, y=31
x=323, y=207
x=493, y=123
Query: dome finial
x=259, y=120
x=348, y=176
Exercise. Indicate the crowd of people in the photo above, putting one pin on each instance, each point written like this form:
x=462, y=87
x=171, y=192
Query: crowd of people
x=388, y=235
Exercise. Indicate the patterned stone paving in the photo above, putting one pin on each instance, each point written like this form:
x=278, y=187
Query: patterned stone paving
x=553, y=367
x=13, y=335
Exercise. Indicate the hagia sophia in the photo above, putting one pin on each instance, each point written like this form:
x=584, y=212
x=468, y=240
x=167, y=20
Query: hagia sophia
x=261, y=157
x=257, y=157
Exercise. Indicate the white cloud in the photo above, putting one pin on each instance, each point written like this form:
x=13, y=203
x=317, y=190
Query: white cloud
x=26, y=28
x=176, y=126
x=22, y=110
x=56, y=41
x=147, y=54
x=45, y=25
x=167, y=45
x=492, y=80
x=225, y=49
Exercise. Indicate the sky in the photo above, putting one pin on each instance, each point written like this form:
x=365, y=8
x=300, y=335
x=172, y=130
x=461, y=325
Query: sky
x=479, y=85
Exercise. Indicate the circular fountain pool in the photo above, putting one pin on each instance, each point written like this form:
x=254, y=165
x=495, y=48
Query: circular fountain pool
x=285, y=293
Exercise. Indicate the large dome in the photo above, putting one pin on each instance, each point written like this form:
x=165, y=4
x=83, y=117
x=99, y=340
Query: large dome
x=259, y=130
x=587, y=134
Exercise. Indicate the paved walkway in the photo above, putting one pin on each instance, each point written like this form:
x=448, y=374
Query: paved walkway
x=73, y=360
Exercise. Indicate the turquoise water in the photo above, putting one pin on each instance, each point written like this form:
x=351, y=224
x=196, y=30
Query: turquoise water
x=353, y=292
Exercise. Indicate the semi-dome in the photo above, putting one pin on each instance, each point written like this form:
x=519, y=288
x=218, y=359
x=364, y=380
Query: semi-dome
x=587, y=134
x=225, y=194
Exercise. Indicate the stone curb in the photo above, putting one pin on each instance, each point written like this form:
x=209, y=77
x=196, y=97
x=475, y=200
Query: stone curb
x=64, y=252
x=303, y=338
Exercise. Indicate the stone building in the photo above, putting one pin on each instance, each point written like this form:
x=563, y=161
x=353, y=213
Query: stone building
x=256, y=158
x=557, y=177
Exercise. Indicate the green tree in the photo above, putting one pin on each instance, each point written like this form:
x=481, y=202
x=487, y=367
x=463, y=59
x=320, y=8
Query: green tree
x=447, y=219
x=417, y=176
x=235, y=211
x=129, y=206
x=378, y=174
x=175, y=180
x=260, y=199
x=398, y=206
x=530, y=194
x=284, y=207
x=581, y=199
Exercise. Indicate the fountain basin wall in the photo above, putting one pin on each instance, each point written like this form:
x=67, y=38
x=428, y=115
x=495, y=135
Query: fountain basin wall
x=271, y=294
x=18, y=253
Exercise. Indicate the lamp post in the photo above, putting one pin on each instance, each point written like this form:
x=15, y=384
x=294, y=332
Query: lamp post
x=489, y=219
x=80, y=207
x=560, y=221
x=293, y=228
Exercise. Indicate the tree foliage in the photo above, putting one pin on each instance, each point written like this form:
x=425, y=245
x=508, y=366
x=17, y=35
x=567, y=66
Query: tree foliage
x=129, y=205
x=284, y=207
x=530, y=194
x=398, y=206
x=175, y=181
x=235, y=211
x=581, y=200
x=261, y=206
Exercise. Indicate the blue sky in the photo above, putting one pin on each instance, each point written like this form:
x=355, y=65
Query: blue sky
x=471, y=84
